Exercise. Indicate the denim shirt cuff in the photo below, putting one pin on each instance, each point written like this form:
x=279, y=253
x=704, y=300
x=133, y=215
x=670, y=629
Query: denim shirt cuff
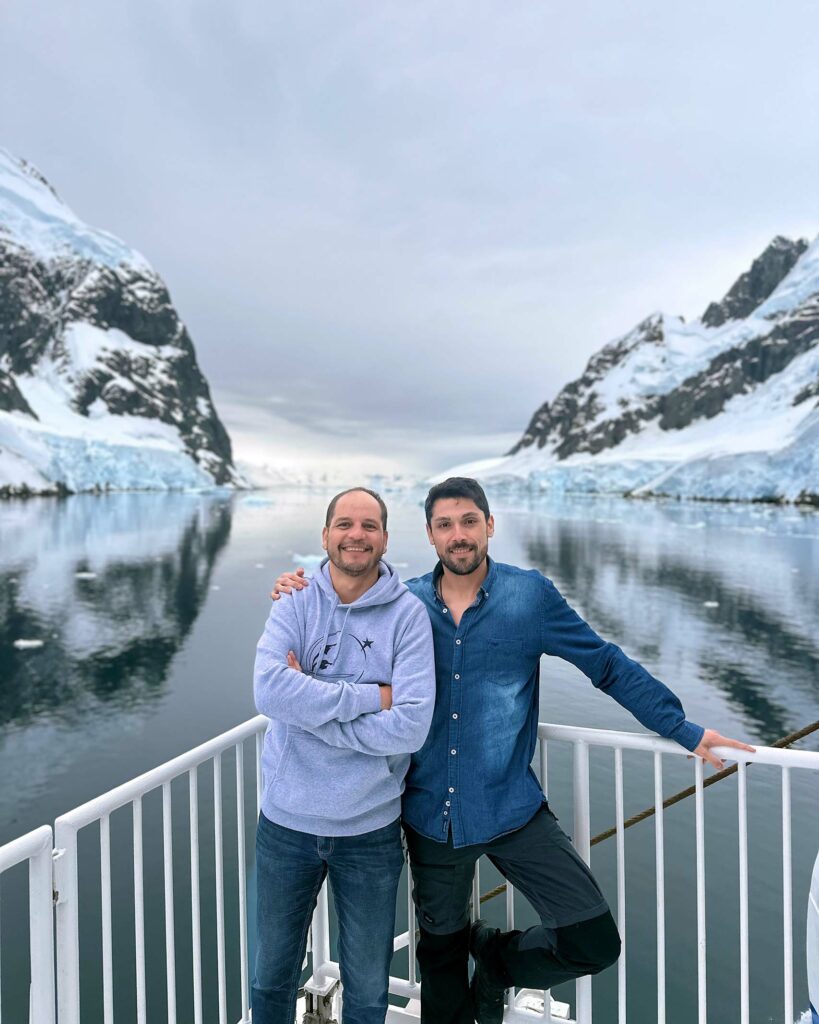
x=687, y=734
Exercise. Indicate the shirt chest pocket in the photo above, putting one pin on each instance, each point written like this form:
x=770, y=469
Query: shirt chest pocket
x=505, y=661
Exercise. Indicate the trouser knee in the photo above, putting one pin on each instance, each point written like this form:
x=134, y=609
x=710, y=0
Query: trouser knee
x=589, y=946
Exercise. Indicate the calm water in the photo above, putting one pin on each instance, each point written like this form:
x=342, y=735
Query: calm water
x=150, y=606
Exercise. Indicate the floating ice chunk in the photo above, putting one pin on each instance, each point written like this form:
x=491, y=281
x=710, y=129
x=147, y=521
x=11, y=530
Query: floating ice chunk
x=710, y=604
x=257, y=502
x=307, y=560
x=85, y=575
x=28, y=645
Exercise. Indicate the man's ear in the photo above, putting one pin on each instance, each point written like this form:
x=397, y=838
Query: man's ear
x=490, y=526
x=325, y=533
x=429, y=535
x=386, y=538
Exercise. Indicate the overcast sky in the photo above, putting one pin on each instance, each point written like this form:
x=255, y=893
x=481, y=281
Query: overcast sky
x=398, y=227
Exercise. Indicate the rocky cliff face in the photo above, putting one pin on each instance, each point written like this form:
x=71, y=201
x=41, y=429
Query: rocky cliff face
x=581, y=420
x=96, y=367
x=741, y=381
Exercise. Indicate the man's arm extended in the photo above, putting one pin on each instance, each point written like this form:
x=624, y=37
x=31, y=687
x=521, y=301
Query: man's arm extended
x=293, y=697
x=403, y=728
x=653, y=704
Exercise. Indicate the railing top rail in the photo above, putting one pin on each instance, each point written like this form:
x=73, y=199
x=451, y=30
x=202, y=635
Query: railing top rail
x=94, y=809
x=25, y=847
x=645, y=741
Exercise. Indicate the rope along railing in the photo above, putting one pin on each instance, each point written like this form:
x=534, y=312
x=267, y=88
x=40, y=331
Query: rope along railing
x=785, y=741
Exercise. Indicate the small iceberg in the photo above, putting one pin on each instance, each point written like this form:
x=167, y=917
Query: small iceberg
x=28, y=645
x=85, y=575
x=307, y=560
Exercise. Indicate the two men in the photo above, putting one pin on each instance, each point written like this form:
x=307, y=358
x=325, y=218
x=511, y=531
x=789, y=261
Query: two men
x=345, y=673
x=470, y=789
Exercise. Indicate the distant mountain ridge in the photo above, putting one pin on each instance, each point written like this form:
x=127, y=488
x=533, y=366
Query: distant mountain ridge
x=99, y=382
x=724, y=407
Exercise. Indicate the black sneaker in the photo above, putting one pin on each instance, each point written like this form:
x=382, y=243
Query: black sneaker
x=487, y=990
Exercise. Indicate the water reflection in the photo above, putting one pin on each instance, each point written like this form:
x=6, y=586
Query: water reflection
x=706, y=598
x=110, y=586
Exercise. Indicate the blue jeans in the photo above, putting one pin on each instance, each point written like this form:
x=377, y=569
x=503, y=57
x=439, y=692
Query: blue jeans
x=364, y=872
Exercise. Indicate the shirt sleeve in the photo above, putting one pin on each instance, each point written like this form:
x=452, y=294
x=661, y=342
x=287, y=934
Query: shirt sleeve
x=404, y=727
x=293, y=697
x=566, y=635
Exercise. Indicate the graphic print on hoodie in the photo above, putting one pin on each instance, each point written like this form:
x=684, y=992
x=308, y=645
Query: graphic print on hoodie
x=333, y=762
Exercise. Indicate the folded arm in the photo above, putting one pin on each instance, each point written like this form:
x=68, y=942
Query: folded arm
x=291, y=696
x=403, y=728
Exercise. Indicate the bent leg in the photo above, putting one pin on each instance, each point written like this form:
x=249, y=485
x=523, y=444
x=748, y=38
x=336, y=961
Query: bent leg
x=577, y=934
x=442, y=886
x=289, y=876
x=364, y=875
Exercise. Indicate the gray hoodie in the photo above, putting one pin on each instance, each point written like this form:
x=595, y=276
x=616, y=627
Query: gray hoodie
x=333, y=762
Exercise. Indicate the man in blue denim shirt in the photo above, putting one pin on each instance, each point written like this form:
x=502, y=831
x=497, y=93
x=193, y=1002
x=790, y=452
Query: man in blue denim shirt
x=471, y=790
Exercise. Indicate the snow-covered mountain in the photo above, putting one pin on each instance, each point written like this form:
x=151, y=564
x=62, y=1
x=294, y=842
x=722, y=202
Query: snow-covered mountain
x=99, y=383
x=725, y=407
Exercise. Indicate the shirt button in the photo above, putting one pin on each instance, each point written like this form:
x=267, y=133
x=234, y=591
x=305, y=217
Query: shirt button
x=455, y=714
x=453, y=751
x=446, y=610
x=457, y=641
x=457, y=675
x=448, y=803
x=451, y=789
x=446, y=813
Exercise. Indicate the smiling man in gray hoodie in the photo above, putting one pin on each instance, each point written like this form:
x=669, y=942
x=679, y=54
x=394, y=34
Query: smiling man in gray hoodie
x=345, y=673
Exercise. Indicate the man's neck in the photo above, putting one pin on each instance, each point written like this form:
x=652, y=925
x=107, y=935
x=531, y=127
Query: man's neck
x=464, y=588
x=350, y=588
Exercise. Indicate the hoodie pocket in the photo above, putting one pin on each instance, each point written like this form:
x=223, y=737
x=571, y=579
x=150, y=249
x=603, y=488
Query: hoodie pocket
x=317, y=780
x=281, y=766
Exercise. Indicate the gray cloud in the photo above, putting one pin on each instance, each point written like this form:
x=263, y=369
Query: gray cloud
x=421, y=216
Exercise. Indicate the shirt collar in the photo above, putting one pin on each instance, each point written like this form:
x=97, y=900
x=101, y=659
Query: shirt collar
x=484, y=588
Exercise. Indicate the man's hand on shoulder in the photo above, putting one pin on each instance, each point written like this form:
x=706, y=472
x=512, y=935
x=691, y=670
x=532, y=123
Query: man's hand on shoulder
x=288, y=582
x=711, y=738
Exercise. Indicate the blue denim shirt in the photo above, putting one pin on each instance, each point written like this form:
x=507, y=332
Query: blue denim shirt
x=473, y=775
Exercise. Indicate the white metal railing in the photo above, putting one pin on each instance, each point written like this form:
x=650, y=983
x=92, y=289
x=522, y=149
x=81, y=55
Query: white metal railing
x=36, y=849
x=132, y=793
x=786, y=760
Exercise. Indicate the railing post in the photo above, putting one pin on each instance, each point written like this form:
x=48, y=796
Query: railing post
x=41, y=937
x=582, y=842
x=68, y=930
x=319, y=986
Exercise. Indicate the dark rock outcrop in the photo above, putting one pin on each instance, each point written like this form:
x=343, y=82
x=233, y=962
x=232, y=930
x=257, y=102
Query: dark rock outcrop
x=579, y=421
x=755, y=285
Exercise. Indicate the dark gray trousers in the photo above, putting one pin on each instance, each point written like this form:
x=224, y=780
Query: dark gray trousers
x=576, y=935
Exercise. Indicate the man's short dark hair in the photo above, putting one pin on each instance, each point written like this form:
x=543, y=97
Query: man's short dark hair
x=331, y=508
x=456, y=487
